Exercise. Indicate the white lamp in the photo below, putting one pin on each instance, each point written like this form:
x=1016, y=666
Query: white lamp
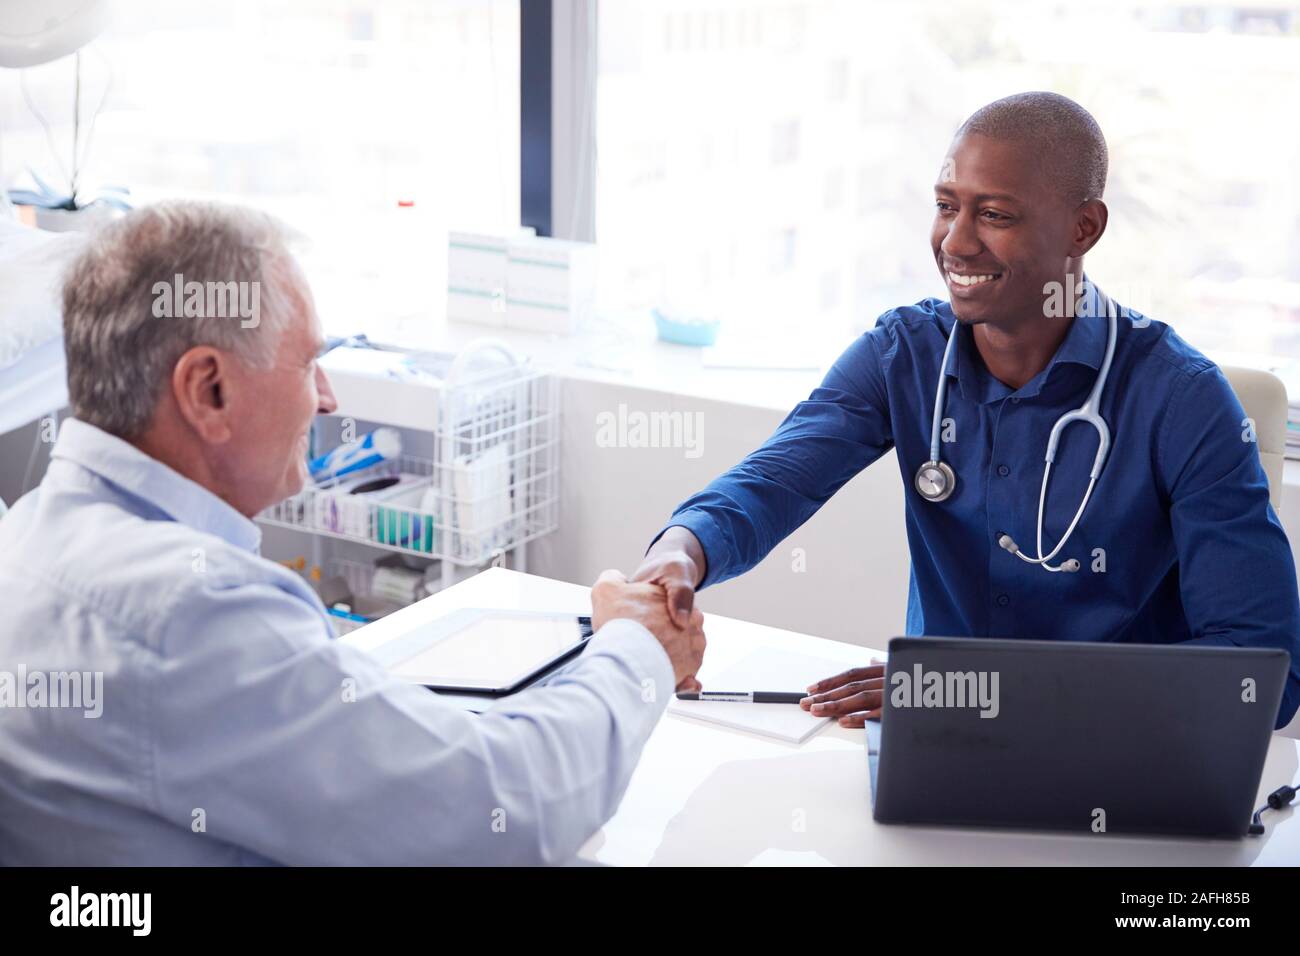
x=33, y=32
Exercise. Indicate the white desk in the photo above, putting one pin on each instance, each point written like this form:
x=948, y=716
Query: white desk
x=708, y=795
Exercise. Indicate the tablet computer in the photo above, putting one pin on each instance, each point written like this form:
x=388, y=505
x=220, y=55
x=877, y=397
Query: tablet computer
x=481, y=651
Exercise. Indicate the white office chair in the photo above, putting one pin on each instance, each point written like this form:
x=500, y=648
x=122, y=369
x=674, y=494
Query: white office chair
x=1263, y=396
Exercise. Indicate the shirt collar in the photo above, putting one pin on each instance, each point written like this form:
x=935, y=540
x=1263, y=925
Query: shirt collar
x=1084, y=344
x=141, y=476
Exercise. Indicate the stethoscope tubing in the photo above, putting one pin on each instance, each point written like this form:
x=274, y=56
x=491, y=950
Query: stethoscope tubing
x=1087, y=412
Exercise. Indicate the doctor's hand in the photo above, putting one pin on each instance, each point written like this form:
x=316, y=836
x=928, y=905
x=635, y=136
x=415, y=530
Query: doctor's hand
x=614, y=597
x=675, y=563
x=853, y=697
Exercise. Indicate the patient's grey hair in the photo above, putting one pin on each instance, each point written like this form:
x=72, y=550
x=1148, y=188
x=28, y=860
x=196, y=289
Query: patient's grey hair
x=120, y=353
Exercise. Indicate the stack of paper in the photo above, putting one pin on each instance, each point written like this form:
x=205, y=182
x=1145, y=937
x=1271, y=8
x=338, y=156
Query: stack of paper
x=764, y=669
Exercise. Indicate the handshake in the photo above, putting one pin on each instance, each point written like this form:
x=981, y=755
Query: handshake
x=614, y=596
x=661, y=597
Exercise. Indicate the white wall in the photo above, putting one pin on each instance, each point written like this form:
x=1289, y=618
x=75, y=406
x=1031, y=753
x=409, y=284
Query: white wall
x=614, y=500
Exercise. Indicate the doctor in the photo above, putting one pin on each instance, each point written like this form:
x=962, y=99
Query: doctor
x=1074, y=470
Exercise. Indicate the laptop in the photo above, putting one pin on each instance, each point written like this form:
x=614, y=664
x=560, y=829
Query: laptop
x=1089, y=737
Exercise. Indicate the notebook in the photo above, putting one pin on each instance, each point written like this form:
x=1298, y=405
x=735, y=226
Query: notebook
x=764, y=668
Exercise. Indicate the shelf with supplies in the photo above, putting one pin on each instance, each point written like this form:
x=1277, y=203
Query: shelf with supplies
x=476, y=478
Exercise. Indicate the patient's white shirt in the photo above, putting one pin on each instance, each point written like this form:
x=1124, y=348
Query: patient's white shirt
x=234, y=729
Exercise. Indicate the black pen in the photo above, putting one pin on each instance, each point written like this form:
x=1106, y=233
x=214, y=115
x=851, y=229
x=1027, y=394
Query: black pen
x=746, y=696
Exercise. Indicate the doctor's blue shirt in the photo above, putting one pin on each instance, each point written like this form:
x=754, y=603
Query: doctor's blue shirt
x=1178, y=543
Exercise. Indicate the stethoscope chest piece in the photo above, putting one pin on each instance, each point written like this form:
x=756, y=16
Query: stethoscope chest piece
x=935, y=481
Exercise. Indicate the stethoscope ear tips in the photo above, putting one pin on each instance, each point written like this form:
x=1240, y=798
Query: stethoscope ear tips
x=1006, y=543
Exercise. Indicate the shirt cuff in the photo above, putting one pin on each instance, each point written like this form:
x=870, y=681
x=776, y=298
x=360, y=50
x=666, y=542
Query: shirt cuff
x=712, y=543
x=633, y=645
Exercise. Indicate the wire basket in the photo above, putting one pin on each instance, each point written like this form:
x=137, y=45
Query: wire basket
x=358, y=575
x=492, y=485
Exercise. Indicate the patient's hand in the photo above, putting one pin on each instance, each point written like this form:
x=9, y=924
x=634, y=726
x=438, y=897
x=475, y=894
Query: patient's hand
x=614, y=597
x=854, y=697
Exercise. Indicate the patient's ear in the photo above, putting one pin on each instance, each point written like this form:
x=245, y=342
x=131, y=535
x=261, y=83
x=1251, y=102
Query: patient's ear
x=201, y=382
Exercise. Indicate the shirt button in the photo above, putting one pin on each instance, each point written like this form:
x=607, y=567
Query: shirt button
x=1003, y=600
x=1003, y=470
x=1015, y=401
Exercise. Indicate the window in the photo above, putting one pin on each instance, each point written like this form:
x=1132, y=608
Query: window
x=796, y=140
x=327, y=113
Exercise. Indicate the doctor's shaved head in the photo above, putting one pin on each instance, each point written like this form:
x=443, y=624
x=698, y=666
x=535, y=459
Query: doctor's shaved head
x=1060, y=131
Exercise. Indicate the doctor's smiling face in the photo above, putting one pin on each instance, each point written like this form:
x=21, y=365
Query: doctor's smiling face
x=1015, y=212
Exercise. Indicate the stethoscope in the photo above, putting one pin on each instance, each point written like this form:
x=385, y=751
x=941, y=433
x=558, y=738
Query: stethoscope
x=935, y=480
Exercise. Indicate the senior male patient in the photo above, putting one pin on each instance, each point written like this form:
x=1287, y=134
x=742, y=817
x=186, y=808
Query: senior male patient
x=234, y=730
x=1177, y=542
